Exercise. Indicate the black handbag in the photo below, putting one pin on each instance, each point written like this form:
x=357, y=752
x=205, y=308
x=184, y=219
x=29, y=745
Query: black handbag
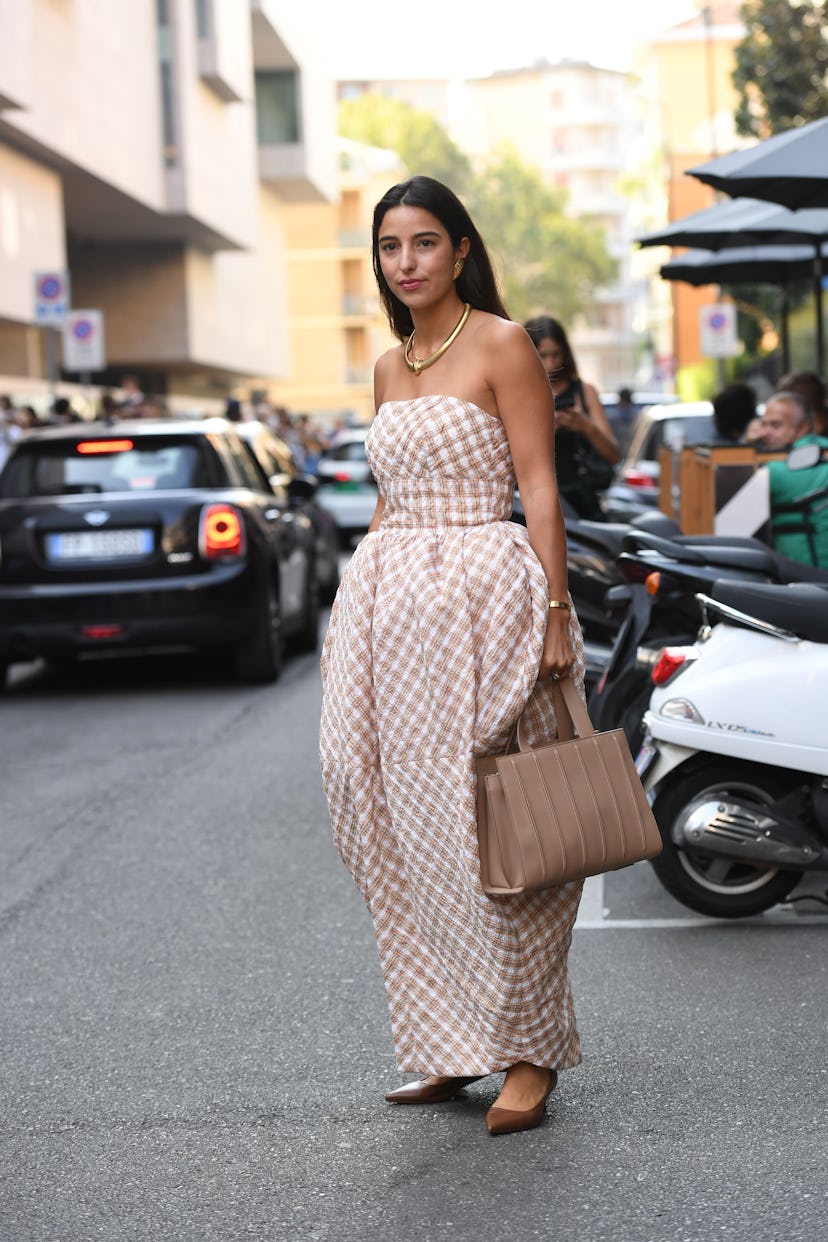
x=593, y=469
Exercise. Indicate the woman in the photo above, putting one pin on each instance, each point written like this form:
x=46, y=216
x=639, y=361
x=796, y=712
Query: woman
x=582, y=430
x=448, y=621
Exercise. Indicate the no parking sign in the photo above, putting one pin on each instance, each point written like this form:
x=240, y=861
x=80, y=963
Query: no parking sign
x=83, y=341
x=52, y=297
x=718, y=330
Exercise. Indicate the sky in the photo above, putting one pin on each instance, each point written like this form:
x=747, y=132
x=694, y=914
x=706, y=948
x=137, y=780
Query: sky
x=456, y=38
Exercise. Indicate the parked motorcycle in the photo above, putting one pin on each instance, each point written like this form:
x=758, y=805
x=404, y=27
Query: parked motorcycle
x=593, y=549
x=659, y=609
x=735, y=752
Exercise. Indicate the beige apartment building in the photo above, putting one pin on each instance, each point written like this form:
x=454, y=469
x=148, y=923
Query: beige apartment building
x=337, y=328
x=578, y=125
x=689, y=71
x=153, y=149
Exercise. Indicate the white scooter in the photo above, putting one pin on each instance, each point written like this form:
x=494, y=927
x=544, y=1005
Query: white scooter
x=735, y=754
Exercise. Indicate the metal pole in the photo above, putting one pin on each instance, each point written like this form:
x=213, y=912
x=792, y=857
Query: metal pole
x=51, y=360
x=785, y=330
x=820, y=322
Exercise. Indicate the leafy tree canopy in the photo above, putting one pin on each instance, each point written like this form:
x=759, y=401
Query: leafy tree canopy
x=417, y=137
x=547, y=261
x=781, y=70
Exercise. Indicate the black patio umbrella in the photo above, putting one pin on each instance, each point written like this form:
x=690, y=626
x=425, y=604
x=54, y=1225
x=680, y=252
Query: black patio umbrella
x=774, y=265
x=790, y=169
x=746, y=222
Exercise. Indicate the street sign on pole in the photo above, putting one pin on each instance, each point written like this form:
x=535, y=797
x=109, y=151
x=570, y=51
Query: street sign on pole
x=83, y=341
x=52, y=297
x=718, y=330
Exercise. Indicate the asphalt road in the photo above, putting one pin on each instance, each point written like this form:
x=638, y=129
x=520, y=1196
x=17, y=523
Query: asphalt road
x=193, y=1033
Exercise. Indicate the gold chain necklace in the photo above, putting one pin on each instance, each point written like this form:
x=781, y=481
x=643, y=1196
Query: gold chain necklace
x=416, y=364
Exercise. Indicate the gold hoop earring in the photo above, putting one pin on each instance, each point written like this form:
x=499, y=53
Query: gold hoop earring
x=458, y=267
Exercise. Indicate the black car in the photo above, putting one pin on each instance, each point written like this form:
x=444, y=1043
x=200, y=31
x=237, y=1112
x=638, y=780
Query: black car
x=277, y=461
x=148, y=535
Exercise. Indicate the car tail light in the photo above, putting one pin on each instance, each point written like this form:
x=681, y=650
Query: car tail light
x=342, y=476
x=221, y=533
x=670, y=662
x=637, y=478
x=101, y=631
x=103, y=446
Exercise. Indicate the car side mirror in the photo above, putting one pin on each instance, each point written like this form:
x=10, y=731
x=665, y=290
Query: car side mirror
x=803, y=457
x=302, y=488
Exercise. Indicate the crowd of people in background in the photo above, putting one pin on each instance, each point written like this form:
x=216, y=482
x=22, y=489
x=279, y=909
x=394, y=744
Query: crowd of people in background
x=306, y=436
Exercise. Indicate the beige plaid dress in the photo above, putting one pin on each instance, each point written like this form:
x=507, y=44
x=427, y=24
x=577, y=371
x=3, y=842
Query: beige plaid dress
x=432, y=651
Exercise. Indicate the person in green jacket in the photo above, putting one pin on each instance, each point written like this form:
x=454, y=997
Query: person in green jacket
x=798, y=497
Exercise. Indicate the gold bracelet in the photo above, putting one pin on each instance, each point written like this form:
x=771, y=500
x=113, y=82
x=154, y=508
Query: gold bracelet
x=559, y=603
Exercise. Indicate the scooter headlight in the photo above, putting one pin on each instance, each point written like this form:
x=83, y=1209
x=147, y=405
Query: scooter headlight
x=681, y=709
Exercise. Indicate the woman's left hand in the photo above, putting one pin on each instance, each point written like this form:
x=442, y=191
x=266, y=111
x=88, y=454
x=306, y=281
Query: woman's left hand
x=558, y=651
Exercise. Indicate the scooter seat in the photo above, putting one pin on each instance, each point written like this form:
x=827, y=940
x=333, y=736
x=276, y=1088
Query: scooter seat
x=751, y=560
x=801, y=607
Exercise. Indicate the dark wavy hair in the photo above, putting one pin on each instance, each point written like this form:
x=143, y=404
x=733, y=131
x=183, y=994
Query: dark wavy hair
x=543, y=327
x=476, y=284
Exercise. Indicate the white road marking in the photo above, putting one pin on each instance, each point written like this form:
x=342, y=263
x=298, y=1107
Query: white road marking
x=593, y=915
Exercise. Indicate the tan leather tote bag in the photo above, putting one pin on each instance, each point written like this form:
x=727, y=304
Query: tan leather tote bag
x=562, y=811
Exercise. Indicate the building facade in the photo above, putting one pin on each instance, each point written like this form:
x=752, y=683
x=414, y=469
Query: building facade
x=153, y=152
x=577, y=124
x=337, y=327
x=688, y=72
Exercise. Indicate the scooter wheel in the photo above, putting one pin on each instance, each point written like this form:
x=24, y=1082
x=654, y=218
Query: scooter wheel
x=712, y=884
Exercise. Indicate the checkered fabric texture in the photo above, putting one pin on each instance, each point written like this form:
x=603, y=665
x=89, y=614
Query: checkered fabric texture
x=431, y=654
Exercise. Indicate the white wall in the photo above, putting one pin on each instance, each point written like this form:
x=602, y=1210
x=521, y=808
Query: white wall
x=93, y=88
x=31, y=230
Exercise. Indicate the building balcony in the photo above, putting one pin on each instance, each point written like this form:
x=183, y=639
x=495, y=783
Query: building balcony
x=358, y=304
x=287, y=167
x=592, y=159
x=355, y=239
x=212, y=73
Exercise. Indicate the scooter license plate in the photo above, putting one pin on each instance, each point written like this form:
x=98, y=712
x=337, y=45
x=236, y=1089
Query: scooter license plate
x=644, y=758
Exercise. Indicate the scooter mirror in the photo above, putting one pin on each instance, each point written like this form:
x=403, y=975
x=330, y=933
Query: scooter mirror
x=803, y=457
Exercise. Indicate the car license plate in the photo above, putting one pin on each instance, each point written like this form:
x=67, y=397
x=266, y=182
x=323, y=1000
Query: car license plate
x=98, y=545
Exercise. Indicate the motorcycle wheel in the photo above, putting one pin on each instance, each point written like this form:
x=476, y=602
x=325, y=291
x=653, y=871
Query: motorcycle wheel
x=711, y=884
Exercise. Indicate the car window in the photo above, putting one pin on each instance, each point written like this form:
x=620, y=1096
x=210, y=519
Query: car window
x=261, y=465
x=249, y=473
x=281, y=456
x=352, y=451
x=677, y=433
x=61, y=468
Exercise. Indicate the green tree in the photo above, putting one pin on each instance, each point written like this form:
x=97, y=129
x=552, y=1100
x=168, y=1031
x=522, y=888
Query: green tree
x=781, y=70
x=547, y=260
x=417, y=137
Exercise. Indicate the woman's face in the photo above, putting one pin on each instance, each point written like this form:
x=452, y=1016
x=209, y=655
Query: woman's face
x=417, y=256
x=552, y=357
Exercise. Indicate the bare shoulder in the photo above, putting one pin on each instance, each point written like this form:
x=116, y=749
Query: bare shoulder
x=384, y=368
x=503, y=334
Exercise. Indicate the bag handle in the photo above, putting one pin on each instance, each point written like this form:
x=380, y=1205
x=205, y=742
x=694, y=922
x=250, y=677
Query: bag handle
x=570, y=711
